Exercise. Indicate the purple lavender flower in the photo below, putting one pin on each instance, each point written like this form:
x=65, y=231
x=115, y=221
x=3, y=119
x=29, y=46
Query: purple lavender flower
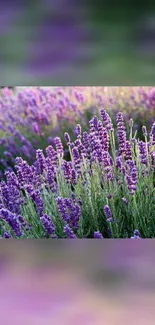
x=35, y=196
x=107, y=165
x=130, y=164
x=52, y=154
x=47, y=224
x=10, y=193
x=67, y=171
x=38, y=201
x=93, y=123
x=98, y=235
x=26, y=174
x=97, y=150
x=81, y=148
x=73, y=197
x=153, y=159
x=73, y=176
x=7, y=235
x=19, y=161
x=68, y=202
x=119, y=162
x=108, y=213
x=134, y=175
x=62, y=208
x=69, y=232
x=67, y=138
x=99, y=126
x=132, y=178
x=121, y=134
x=106, y=159
x=12, y=221
x=136, y=235
x=59, y=147
x=4, y=194
x=128, y=151
x=40, y=160
x=76, y=158
x=70, y=211
x=30, y=190
x=125, y=200
x=78, y=131
x=109, y=196
x=75, y=215
x=95, y=142
x=79, y=202
x=143, y=152
x=22, y=221
x=12, y=179
x=104, y=139
x=86, y=141
x=106, y=119
x=50, y=176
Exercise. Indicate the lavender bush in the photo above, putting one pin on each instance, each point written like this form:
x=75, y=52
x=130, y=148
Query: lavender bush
x=105, y=190
x=30, y=118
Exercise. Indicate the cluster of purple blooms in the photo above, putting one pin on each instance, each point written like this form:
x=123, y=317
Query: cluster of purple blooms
x=29, y=116
x=90, y=151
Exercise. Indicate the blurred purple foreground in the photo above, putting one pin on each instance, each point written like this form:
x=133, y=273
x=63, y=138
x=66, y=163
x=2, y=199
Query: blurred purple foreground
x=50, y=284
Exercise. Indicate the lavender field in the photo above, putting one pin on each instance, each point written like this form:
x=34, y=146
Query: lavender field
x=77, y=162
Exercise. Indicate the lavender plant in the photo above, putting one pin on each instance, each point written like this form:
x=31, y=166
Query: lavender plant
x=105, y=190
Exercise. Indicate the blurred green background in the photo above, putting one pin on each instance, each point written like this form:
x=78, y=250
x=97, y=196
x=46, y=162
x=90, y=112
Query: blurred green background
x=69, y=43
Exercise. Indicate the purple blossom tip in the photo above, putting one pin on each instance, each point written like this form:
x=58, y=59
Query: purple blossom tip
x=98, y=235
x=107, y=212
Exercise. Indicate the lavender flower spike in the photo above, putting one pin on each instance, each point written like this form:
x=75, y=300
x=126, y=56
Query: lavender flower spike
x=98, y=235
x=59, y=146
x=121, y=133
x=143, y=152
x=106, y=119
x=40, y=159
x=136, y=235
x=12, y=221
x=7, y=235
x=69, y=232
x=78, y=131
x=67, y=138
x=108, y=213
x=47, y=224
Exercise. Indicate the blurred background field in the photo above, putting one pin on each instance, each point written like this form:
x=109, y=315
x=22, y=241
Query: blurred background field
x=71, y=43
x=30, y=117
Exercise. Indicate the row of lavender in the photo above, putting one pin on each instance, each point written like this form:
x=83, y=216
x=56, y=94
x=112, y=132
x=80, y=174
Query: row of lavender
x=30, y=118
x=102, y=192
